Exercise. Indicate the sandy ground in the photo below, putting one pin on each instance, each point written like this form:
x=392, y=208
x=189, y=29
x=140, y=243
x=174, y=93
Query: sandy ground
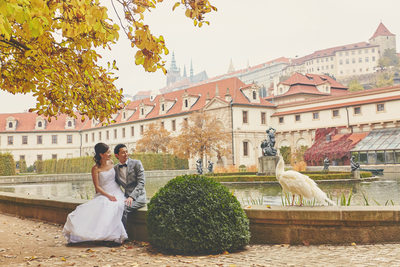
x=26, y=242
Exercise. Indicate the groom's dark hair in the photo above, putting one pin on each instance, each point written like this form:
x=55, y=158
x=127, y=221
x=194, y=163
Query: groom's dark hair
x=118, y=147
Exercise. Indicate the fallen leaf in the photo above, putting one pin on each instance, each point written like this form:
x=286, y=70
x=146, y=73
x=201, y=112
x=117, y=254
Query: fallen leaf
x=353, y=244
x=306, y=243
x=63, y=259
x=225, y=252
x=90, y=250
x=268, y=206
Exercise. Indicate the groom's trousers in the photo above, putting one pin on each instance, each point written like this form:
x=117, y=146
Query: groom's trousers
x=135, y=206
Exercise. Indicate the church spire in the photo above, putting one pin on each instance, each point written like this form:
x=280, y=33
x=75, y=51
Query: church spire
x=191, y=70
x=184, y=71
x=173, y=63
x=231, y=68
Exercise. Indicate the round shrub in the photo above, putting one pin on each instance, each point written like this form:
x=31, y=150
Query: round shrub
x=193, y=214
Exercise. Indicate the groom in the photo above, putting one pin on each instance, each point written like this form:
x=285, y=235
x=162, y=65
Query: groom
x=129, y=173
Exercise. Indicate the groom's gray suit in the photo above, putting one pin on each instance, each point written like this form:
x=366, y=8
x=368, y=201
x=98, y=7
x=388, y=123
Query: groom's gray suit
x=133, y=185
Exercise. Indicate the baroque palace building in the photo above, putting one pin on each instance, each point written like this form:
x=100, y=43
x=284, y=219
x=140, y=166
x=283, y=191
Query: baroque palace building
x=300, y=105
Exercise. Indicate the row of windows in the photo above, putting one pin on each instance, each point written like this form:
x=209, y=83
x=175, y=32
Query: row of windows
x=124, y=132
x=353, y=60
x=354, y=71
x=353, y=52
x=54, y=138
x=335, y=113
x=245, y=117
x=39, y=139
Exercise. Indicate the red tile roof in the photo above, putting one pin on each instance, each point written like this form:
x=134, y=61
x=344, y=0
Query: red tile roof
x=307, y=84
x=202, y=92
x=27, y=122
x=381, y=31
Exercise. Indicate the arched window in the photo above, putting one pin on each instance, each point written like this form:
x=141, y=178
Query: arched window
x=254, y=95
x=39, y=124
x=69, y=124
x=10, y=125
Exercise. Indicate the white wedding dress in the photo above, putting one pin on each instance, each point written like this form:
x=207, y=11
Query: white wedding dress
x=99, y=219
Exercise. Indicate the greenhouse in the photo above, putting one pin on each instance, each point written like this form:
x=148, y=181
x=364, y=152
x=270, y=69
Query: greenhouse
x=379, y=147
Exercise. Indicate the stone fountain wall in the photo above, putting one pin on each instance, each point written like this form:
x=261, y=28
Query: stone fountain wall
x=268, y=225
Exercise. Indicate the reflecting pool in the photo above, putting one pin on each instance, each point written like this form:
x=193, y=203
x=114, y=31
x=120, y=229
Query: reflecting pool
x=385, y=191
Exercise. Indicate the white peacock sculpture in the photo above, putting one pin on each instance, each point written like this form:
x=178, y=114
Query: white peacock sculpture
x=299, y=184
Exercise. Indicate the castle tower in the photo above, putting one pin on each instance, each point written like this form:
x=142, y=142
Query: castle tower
x=384, y=38
x=174, y=73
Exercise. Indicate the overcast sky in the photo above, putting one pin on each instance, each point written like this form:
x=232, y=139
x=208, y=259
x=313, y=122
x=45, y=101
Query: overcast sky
x=248, y=32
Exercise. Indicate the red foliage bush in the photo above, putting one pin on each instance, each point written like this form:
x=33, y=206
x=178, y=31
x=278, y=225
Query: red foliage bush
x=338, y=149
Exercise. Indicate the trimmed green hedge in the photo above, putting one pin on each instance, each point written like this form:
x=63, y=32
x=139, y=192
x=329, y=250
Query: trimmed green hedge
x=193, y=214
x=7, y=164
x=85, y=164
x=229, y=174
x=313, y=175
x=159, y=161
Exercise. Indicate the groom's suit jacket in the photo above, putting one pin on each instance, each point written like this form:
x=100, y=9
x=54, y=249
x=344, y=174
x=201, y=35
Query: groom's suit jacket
x=134, y=186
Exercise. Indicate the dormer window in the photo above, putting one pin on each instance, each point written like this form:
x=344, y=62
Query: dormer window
x=11, y=124
x=69, y=123
x=124, y=115
x=142, y=111
x=186, y=103
x=162, y=107
x=254, y=95
x=40, y=123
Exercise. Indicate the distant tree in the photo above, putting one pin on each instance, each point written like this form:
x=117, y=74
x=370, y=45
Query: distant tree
x=155, y=139
x=285, y=151
x=384, y=79
x=48, y=48
x=201, y=135
x=354, y=85
x=388, y=59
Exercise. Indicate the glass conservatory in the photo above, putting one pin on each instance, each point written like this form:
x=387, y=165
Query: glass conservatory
x=379, y=147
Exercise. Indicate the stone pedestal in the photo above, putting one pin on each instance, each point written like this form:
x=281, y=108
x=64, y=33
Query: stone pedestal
x=267, y=165
x=356, y=174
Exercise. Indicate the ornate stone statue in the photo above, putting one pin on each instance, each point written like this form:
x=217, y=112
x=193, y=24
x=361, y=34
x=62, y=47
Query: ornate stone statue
x=199, y=166
x=210, y=166
x=326, y=164
x=353, y=164
x=267, y=145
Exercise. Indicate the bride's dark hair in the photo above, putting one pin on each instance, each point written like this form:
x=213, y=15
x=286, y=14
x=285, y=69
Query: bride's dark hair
x=99, y=148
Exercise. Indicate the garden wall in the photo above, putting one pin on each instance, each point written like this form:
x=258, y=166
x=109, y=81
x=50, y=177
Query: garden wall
x=274, y=225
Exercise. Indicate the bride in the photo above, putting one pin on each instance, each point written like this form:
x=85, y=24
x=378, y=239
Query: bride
x=99, y=219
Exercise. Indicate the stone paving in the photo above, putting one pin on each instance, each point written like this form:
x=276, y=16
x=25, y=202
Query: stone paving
x=25, y=242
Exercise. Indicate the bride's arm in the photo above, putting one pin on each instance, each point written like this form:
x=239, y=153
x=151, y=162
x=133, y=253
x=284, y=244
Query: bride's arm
x=95, y=178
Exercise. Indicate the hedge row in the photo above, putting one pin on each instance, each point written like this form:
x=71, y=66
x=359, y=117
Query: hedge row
x=84, y=164
x=256, y=178
x=7, y=164
x=158, y=161
x=70, y=165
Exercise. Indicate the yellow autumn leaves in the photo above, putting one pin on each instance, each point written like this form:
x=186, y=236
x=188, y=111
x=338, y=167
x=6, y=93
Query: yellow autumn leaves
x=48, y=49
